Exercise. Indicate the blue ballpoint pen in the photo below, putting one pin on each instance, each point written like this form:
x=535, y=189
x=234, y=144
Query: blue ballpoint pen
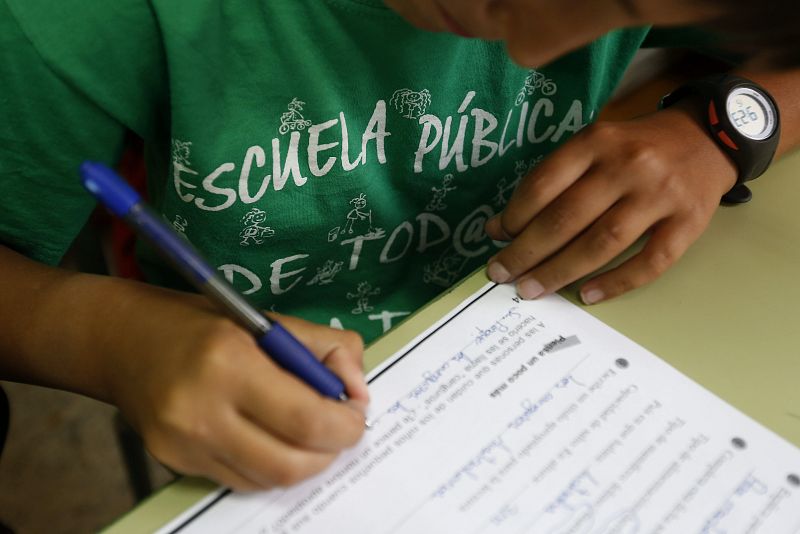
x=119, y=197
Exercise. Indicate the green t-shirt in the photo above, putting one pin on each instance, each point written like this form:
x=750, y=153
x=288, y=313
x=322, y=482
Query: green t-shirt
x=329, y=159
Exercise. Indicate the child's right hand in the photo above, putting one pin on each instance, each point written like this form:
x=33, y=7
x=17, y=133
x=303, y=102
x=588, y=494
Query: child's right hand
x=204, y=397
x=208, y=402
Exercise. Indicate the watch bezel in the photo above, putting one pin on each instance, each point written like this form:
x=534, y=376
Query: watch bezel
x=766, y=104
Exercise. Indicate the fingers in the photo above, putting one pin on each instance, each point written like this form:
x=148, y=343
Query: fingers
x=610, y=235
x=261, y=460
x=341, y=350
x=555, y=226
x=341, y=363
x=282, y=405
x=229, y=476
x=254, y=427
x=224, y=410
x=594, y=197
x=550, y=179
x=287, y=431
x=240, y=455
x=666, y=245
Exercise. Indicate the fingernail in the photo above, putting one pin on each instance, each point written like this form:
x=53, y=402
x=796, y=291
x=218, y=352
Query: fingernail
x=498, y=273
x=592, y=296
x=530, y=289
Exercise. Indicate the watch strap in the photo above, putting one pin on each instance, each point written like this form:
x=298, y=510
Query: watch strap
x=752, y=157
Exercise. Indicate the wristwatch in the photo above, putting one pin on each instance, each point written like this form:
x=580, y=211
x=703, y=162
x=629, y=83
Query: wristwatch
x=743, y=119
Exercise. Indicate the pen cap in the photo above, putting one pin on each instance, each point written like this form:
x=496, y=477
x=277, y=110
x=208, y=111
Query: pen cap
x=109, y=188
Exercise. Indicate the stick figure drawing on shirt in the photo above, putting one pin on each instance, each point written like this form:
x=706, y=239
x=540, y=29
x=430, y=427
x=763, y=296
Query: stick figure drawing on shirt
x=446, y=270
x=411, y=104
x=362, y=294
x=326, y=273
x=439, y=193
x=293, y=119
x=504, y=188
x=181, y=151
x=180, y=223
x=355, y=221
x=253, y=232
x=536, y=80
x=358, y=214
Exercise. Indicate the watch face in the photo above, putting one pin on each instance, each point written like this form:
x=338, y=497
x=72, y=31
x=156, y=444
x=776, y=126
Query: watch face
x=751, y=113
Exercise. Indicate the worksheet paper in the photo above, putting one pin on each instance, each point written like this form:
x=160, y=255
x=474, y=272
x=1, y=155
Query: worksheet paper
x=532, y=416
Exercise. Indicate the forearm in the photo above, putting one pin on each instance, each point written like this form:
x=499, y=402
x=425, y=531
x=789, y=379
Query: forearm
x=59, y=326
x=196, y=386
x=685, y=118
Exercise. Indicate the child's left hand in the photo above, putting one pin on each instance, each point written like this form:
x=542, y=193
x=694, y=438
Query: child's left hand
x=595, y=196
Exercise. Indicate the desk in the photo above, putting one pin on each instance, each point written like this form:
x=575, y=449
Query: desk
x=726, y=316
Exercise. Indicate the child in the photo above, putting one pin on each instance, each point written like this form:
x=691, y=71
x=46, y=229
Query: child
x=614, y=183
x=335, y=164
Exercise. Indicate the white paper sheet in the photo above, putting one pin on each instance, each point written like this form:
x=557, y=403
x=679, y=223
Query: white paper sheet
x=525, y=417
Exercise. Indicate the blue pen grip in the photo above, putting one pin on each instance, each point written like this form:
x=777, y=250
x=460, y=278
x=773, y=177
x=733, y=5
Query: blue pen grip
x=290, y=354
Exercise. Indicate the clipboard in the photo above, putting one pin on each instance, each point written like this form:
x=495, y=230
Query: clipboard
x=694, y=292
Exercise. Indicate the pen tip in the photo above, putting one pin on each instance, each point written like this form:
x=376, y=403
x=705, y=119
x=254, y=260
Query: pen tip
x=343, y=397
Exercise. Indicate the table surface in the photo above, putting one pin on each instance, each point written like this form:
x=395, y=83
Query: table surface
x=725, y=315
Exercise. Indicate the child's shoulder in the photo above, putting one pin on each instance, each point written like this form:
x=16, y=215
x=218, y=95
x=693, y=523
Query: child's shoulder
x=72, y=30
x=76, y=22
x=109, y=52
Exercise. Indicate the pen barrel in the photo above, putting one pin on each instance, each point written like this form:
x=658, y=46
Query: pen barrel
x=293, y=356
x=173, y=247
x=110, y=189
x=184, y=258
